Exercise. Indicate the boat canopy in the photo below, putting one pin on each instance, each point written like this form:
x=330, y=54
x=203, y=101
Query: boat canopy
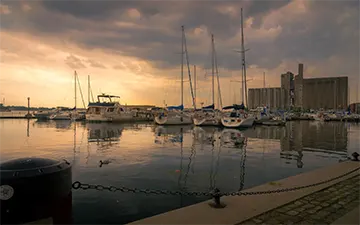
x=235, y=106
x=180, y=107
x=104, y=104
x=107, y=96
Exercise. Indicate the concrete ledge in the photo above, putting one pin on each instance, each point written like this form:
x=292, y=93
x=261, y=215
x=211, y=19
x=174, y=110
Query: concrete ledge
x=241, y=208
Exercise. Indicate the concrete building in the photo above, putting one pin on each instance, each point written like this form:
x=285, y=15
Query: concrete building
x=287, y=84
x=295, y=91
x=274, y=98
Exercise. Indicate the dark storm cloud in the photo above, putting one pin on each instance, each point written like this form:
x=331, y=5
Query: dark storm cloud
x=157, y=38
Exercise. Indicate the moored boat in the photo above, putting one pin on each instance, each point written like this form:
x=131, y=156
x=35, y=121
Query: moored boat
x=237, y=118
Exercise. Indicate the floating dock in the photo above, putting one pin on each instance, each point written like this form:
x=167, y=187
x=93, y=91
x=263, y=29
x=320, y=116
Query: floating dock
x=16, y=115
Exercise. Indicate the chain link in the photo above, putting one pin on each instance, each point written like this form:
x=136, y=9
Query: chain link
x=214, y=193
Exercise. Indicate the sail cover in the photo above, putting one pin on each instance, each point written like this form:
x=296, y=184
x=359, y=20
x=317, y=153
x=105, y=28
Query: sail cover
x=180, y=107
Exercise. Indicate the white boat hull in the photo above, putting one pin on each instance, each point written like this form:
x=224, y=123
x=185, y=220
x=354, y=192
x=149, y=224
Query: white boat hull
x=120, y=117
x=235, y=122
x=207, y=122
x=97, y=118
x=173, y=120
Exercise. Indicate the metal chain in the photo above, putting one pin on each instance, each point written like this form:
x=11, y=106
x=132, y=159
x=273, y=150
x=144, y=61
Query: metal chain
x=214, y=193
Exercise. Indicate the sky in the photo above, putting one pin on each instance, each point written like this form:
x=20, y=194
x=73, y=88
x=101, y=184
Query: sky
x=132, y=48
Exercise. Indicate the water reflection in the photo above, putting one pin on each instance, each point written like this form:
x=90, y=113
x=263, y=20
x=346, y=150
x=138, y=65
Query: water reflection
x=203, y=139
x=59, y=125
x=173, y=158
x=104, y=133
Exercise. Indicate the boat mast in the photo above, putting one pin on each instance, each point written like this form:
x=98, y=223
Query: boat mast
x=217, y=76
x=182, y=65
x=212, y=70
x=243, y=57
x=75, y=88
x=81, y=94
x=195, y=84
x=188, y=67
x=88, y=89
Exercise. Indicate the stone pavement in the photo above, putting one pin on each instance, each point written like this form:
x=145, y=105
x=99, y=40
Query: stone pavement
x=322, y=207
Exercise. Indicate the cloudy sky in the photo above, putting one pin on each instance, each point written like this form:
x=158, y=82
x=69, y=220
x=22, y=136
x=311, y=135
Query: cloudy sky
x=132, y=48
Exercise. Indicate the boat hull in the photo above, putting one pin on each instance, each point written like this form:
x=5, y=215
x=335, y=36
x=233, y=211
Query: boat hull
x=173, y=120
x=274, y=123
x=96, y=118
x=207, y=122
x=232, y=122
x=123, y=117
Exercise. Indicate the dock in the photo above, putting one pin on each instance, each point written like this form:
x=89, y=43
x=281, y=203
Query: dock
x=333, y=202
x=16, y=115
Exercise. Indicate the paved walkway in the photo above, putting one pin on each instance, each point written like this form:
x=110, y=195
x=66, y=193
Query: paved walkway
x=322, y=207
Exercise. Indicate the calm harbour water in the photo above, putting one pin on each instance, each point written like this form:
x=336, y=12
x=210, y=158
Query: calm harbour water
x=173, y=158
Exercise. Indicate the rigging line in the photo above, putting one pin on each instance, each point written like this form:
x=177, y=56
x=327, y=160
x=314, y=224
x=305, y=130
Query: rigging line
x=189, y=72
x=218, y=79
x=82, y=97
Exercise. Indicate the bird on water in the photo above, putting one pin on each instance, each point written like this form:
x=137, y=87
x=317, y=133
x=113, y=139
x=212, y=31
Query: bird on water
x=105, y=162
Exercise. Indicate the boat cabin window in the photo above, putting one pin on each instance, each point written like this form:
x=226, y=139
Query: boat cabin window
x=233, y=114
x=121, y=110
x=110, y=110
x=97, y=110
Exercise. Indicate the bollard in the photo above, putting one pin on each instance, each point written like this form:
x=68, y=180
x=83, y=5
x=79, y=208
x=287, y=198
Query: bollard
x=217, y=203
x=355, y=156
x=35, y=190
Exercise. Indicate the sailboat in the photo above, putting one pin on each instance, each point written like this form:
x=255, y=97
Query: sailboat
x=237, y=117
x=63, y=113
x=175, y=115
x=208, y=116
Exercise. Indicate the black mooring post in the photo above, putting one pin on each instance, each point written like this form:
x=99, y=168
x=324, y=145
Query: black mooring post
x=355, y=156
x=217, y=203
x=35, y=190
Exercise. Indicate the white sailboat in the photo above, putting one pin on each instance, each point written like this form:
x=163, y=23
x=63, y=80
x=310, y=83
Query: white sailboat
x=175, y=115
x=63, y=113
x=208, y=116
x=237, y=117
